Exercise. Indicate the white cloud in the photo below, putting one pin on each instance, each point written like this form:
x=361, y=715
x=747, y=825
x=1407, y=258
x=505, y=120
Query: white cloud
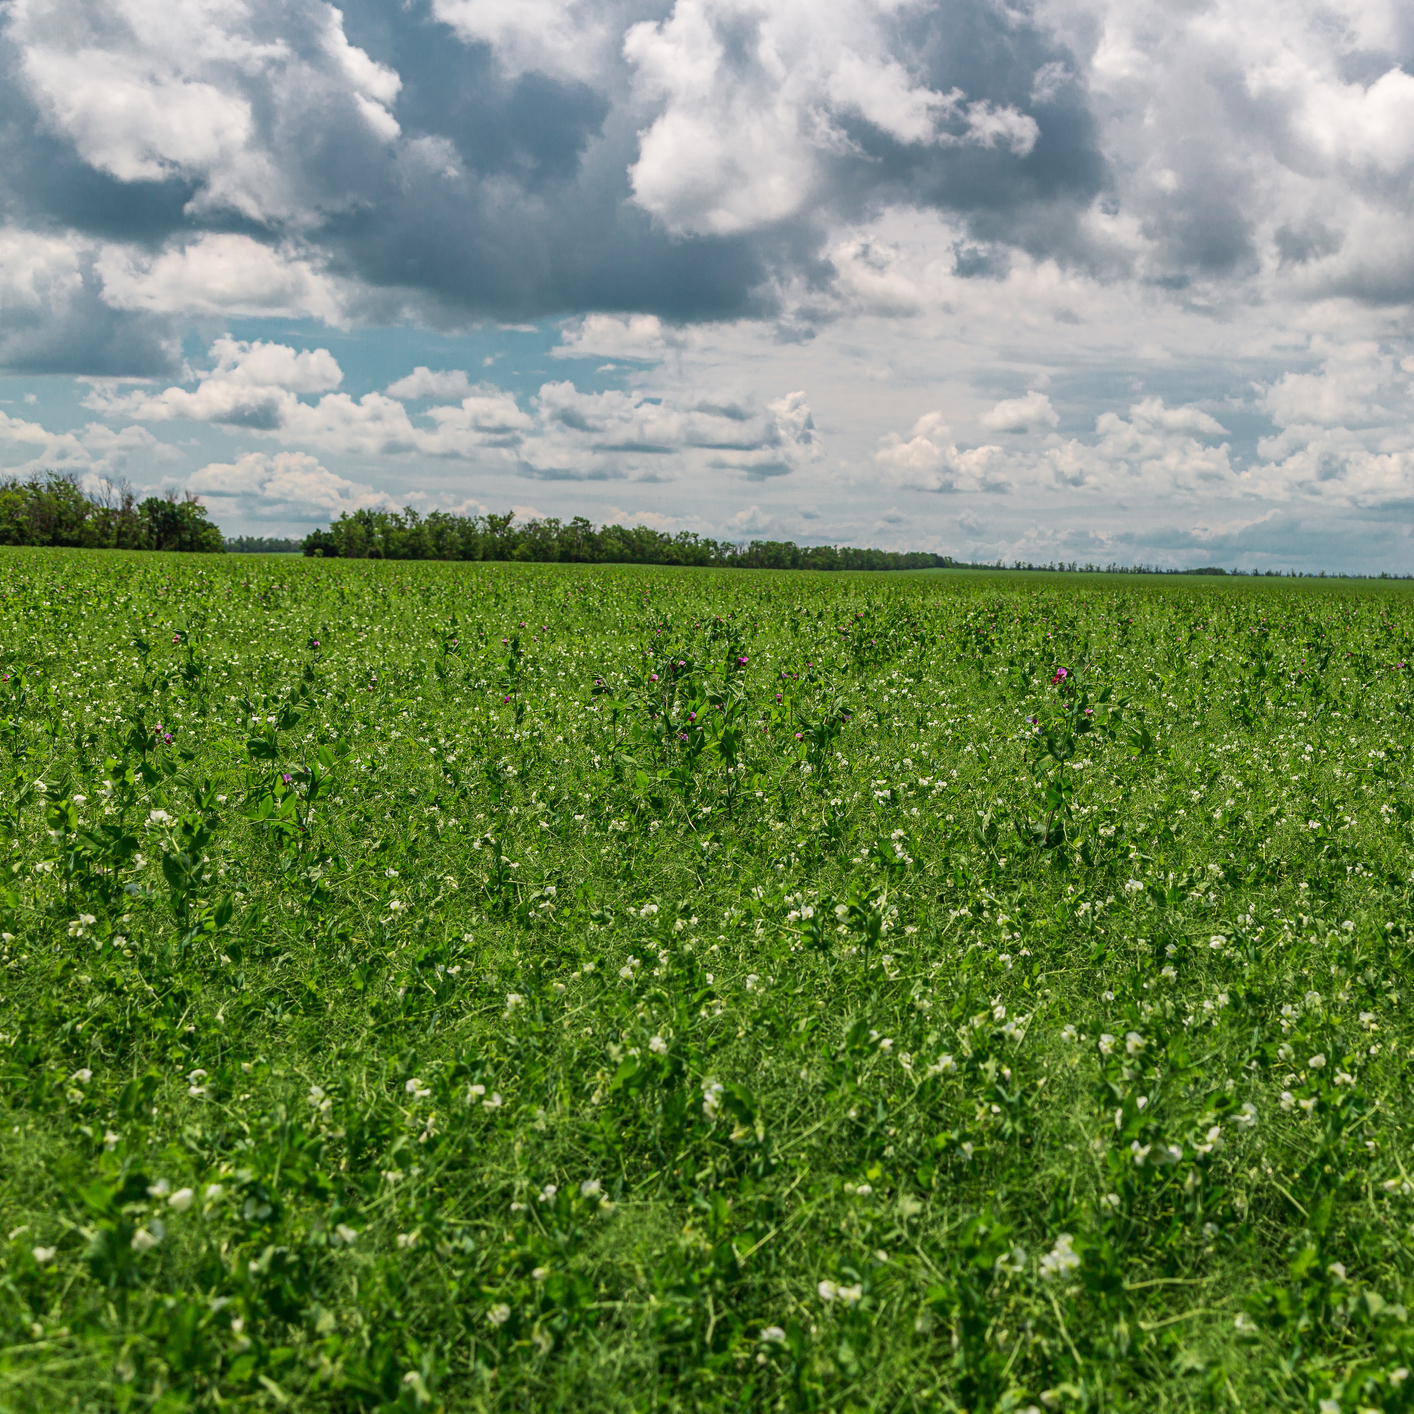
x=929, y=460
x=1155, y=452
x=148, y=90
x=263, y=365
x=218, y=274
x=654, y=520
x=424, y=382
x=93, y=452
x=1021, y=414
x=38, y=272
x=282, y=485
x=636, y=336
x=563, y=37
x=1347, y=389
x=747, y=98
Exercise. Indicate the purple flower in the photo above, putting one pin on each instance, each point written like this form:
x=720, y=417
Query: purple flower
x=741, y=662
x=284, y=776
x=652, y=677
x=1061, y=675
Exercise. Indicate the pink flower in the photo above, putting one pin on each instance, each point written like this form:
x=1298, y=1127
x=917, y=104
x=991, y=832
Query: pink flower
x=1061, y=675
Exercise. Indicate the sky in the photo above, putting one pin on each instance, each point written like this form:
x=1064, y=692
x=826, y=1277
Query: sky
x=1081, y=280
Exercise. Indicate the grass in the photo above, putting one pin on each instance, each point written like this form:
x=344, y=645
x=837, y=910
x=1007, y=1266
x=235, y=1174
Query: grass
x=508, y=987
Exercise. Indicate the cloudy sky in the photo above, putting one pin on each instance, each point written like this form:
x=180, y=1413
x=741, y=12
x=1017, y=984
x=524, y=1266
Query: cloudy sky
x=1082, y=279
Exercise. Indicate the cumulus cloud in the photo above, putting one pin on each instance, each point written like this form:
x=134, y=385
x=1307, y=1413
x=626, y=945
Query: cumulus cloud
x=565, y=37
x=93, y=452
x=929, y=460
x=1021, y=414
x=424, y=382
x=754, y=100
x=220, y=274
x=281, y=486
x=1156, y=449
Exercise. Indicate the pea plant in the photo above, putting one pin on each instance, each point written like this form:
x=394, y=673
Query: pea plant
x=501, y=987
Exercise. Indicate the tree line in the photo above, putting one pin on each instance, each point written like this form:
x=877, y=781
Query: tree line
x=406, y=535
x=55, y=509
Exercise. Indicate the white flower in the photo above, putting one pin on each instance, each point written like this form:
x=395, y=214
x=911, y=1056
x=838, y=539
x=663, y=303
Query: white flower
x=181, y=1200
x=158, y=817
x=499, y=1314
x=43, y=1255
x=1133, y=1043
x=213, y=1191
x=1133, y=886
x=396, y=905
x=1247, y=1119
x=590, y=1188
x=492, y=1102
x=658, y=1046
x=850, y=1295
x=773, y=1335
x=1288, y=1100
x=827, y=1290
x=513, y=1000
x=82, y=1076
x=408, y=1239
x=110, y=1141
x=1316, y=1062
x=547, y=1194
x=1107, y=1044
x=346, y=1234
x=711, y=1098
x=1062, y=1259
x=390, y=873
x=144, y=1240
x=160, y=1189
x=417, y=1089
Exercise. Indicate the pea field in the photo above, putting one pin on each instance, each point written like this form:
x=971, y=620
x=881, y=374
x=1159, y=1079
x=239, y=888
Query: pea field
x=512, y=987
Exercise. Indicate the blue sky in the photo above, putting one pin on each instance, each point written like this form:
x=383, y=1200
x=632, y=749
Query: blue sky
x=1079, y=279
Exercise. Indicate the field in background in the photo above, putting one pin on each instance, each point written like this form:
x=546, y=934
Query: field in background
x=510, y=987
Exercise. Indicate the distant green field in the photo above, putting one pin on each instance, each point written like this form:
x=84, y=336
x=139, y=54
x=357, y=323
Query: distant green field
x=498, y=987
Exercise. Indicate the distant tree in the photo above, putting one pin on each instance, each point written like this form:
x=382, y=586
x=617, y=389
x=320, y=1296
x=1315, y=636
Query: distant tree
x=53, y=508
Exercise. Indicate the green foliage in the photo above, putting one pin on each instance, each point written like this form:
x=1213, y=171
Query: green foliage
x=406, y=535
x=55, y=510
x=496, y=986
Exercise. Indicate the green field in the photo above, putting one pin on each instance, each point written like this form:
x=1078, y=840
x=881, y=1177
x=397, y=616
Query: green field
x=509, y=987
